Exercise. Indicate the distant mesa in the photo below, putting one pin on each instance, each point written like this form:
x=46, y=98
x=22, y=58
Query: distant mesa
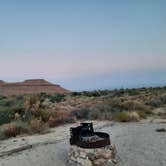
x=33, y=86
x=2, y=82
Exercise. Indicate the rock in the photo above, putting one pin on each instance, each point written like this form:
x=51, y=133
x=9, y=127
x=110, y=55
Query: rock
x=83, y=154
x=114, y=161
x=110, y=163
x=107, y=155
x=91, y=156
x=99, y=162
x=17, y=116
x=161, y=130
x=96, y=157
x=114, y=150
x=72, y=158
x=104, y=155
x=85, y=162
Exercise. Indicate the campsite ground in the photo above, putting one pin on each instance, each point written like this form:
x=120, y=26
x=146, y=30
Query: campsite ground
x=137, y=144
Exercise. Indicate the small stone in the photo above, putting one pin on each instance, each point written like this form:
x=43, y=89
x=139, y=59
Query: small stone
x=107, y=155
x=85, y=162
x=83, y=154
x=73, y=159
x=99, y=162
x=70, y=162
x=114, y=151
x=114, y=161
x=91, y=156
x=110, y=163
x=104, y=155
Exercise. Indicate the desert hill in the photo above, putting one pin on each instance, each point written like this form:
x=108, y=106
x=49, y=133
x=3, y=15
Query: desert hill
x=33, y=86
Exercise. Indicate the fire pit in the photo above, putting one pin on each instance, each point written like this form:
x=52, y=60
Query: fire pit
x=84, y=136
x=89, y=148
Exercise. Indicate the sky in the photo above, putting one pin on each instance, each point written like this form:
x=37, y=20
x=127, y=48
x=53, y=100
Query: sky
x=84, y=44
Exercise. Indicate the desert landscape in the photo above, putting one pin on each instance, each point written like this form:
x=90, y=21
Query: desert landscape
x=82, y=83
x=35, y=128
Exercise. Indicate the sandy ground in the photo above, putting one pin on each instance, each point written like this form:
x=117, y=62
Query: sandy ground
x=138, y=144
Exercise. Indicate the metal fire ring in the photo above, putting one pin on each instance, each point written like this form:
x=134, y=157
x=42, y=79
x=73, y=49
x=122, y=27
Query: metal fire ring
x=84, y=136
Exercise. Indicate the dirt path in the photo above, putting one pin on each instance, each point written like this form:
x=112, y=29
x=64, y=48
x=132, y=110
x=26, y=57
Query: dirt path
x=137, y=145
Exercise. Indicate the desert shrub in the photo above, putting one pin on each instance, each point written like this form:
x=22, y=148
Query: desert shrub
x=43, y=96
x=92, y=93
x=134, y=105
x=2, y=97
x=132, y=92
x=76, y=94
x=102, y=112
x=133, y=116
x=13, y=129
x=23, y=127
x=114, y=103
x=61, y=117
x=32, y=102
x=2, y=134
x=157, y=101
x=53, y=121
x=45, y=115
x=142, y=114
x=18, y=109
x=36, y=126
x=57, y=98
x=163, y=99
x=82, y=113
x=95, y=93
x=31, y=107
x=10, y=130
x=66, y=117
x=6, y=116
x=154, y=102
x=33, y=99
x=121, y=117
x=5, y=102
x=100, y=115
x=95, y=114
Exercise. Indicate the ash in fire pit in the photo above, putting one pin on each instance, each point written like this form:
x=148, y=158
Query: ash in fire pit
x=84, y=136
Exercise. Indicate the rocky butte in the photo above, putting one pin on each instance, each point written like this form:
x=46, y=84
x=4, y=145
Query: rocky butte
x=33, y=86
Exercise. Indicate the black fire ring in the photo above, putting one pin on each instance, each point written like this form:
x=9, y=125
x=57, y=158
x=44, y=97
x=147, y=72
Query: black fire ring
x=84, y=136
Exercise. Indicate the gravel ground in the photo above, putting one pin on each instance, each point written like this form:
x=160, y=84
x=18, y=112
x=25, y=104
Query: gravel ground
x=137, y=145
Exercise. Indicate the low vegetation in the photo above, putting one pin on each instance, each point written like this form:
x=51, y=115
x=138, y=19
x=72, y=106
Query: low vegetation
x=31, y=114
